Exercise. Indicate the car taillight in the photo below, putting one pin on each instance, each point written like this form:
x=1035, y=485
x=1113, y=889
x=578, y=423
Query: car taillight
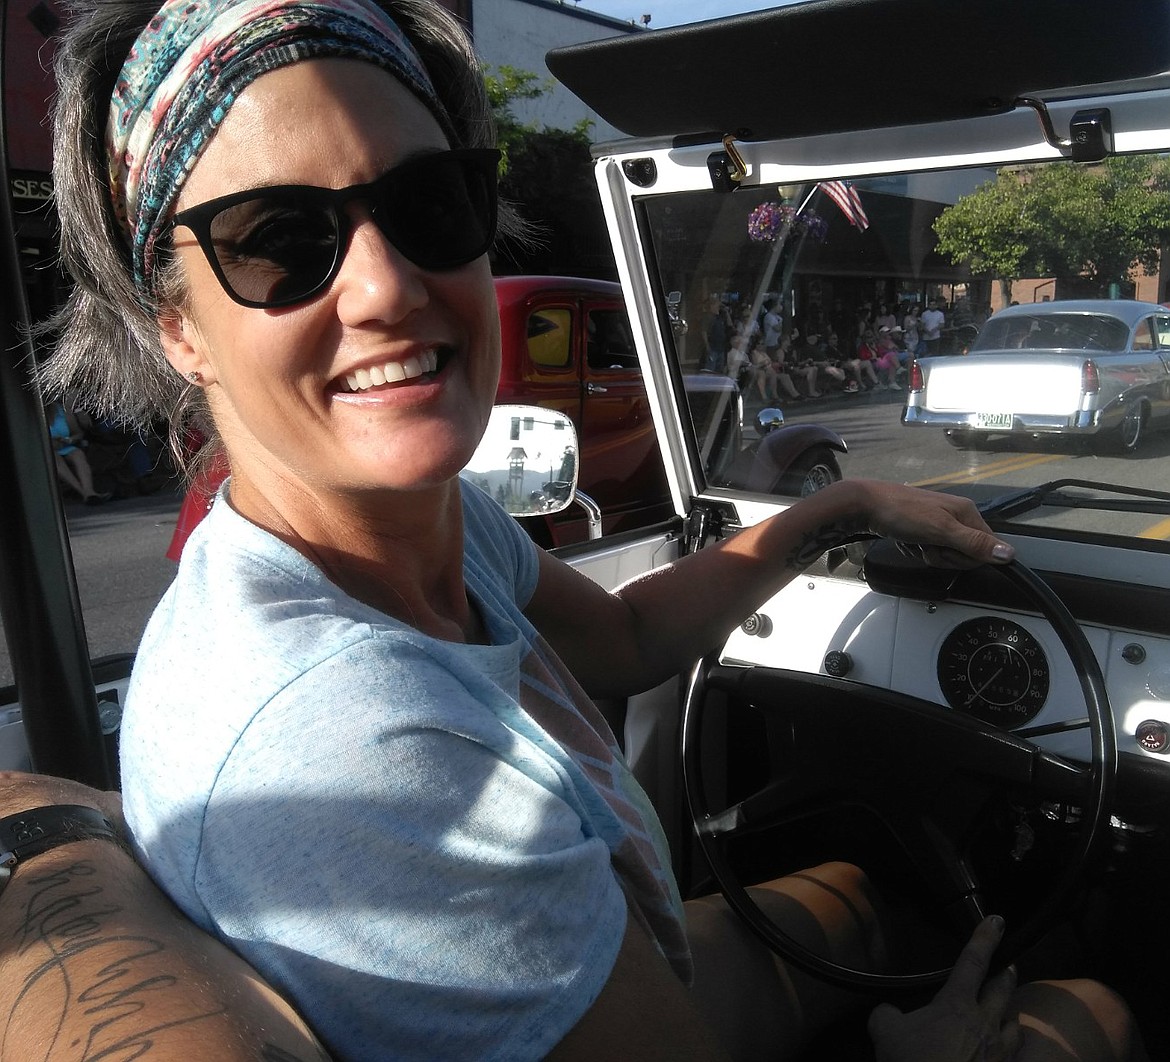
x=1090, y=378
x=915, y=377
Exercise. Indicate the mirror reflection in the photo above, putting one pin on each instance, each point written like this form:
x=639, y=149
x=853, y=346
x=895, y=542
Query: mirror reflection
x=527, y=460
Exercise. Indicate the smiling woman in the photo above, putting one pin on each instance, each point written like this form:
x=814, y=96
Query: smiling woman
x=359, y=744
x=278, y=383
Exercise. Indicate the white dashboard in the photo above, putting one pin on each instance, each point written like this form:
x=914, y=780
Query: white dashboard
x=898, y=643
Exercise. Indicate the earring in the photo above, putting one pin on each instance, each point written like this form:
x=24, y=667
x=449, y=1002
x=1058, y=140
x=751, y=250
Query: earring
x=194, y=376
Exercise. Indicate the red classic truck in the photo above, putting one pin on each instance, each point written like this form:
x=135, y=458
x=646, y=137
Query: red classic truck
x=567, y=345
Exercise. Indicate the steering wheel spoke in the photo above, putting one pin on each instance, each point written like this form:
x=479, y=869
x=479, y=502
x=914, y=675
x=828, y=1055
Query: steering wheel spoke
x=782, y=800
x=945, y=873
x=1062, y=780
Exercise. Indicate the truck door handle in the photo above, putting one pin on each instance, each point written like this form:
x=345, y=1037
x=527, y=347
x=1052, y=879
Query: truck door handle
x=595, y=389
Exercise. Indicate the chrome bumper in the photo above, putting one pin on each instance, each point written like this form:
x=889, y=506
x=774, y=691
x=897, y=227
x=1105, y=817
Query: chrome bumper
x=1085, y=421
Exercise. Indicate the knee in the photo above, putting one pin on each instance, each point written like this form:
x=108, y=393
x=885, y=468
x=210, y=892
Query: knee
x=840, y=909
x=849, y=884
x=1082, y=1016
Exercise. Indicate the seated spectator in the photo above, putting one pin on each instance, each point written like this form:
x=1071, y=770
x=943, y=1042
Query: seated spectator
x=738, y=361
x=763, y=374
x=835, y=367
x=886, y=360
x=902, y=349
x=812, y=353
x=73, y=469
x=787, y=368
x=129, y=463
x=861, y=365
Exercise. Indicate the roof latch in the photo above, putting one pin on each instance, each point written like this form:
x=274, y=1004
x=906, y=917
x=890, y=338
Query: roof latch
x=1090, y=133
x=727, y=167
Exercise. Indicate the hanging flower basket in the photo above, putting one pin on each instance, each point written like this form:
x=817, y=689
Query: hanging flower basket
x=767, y=222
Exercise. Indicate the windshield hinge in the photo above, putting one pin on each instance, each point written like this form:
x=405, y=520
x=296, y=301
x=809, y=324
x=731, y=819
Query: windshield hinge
x=727, y=167
x=703, y=521
x=1090, y=133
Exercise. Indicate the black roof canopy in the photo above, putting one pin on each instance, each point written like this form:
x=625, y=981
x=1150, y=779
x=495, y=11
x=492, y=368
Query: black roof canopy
x=832, y=65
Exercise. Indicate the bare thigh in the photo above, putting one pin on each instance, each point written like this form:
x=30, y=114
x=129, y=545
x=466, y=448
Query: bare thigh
x=759, y=1006
x=762, y=1008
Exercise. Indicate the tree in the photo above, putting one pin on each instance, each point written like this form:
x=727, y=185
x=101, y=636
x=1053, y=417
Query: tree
x=985, y=229
x=1064, y=220
x=547, y=174
x=504, y=88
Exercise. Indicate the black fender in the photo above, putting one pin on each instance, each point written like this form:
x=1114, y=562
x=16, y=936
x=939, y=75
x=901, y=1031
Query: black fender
x=777, y=451
x=785, y=443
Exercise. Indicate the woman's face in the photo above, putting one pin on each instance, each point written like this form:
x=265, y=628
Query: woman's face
x=276, y=380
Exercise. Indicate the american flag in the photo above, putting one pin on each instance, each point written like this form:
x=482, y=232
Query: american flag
x=846, y=197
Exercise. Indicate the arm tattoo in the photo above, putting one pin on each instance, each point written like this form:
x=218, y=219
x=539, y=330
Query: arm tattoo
x=91, y=977
x=820, y=540
x=91, y=969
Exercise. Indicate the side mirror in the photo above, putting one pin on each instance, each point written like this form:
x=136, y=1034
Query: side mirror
x=527, y=460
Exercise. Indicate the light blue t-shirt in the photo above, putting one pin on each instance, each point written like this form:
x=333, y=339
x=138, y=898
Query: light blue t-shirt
x=426, y=845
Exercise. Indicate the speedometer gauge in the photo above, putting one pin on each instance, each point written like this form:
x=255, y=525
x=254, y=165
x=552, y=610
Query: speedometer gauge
x=995, y=670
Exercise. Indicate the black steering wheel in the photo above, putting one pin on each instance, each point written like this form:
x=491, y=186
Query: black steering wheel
x=848, y=744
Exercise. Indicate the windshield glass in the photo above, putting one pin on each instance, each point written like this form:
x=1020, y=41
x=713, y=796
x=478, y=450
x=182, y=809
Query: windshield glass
x=861, y=310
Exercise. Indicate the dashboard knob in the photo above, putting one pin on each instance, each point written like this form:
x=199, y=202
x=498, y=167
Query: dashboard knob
x=838, y=663
x=1134, y=653
x=757, y=624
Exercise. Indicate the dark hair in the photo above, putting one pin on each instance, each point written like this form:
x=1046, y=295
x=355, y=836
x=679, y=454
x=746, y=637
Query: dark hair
x=107, y=352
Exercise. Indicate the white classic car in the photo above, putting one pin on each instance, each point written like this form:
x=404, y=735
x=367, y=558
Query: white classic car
x=1098, y=367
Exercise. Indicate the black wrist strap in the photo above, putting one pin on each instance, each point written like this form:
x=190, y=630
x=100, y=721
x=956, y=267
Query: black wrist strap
x=32, y=832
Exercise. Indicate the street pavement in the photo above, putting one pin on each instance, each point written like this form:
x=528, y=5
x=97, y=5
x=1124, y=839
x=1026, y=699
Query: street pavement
x=119, y=553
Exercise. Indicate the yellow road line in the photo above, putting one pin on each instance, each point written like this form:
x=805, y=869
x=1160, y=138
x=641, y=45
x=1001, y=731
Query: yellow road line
x=992, y=468
x=1159, y=530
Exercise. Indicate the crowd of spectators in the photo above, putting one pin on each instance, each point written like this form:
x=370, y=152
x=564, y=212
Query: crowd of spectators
x=834, y=351
x=98, y=460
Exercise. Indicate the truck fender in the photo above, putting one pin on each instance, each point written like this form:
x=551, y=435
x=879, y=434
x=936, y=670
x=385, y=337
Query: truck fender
x=785, y=443
x=777, y=451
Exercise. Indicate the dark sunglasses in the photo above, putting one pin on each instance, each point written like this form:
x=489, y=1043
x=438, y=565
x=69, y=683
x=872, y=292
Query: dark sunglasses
x=272, y=247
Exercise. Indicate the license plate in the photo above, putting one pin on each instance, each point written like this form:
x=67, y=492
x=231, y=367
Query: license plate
x=993, y=420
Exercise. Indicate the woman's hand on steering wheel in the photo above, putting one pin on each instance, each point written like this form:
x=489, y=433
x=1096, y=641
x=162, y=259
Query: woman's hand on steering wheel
x=967, y=1021
x=946, y=530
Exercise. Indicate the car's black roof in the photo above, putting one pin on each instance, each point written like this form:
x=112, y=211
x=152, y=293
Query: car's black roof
x=830, y=65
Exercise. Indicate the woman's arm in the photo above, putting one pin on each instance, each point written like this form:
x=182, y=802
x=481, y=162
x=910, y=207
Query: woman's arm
x=649, y=629
x=96, y=963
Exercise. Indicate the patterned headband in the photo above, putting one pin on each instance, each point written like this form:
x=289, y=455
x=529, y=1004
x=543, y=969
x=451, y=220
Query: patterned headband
x=191, y=62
